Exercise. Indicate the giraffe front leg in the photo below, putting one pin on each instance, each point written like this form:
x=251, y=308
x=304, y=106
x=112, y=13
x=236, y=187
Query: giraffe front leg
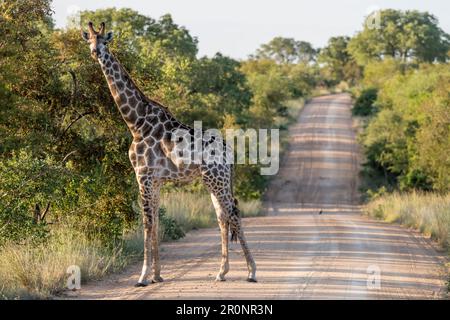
x=148, y=226
x=155, y=252
x=224, y=227
x=150, y=201
x=225, y=265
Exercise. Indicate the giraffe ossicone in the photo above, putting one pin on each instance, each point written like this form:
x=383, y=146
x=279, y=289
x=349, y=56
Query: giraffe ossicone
x=152, y=157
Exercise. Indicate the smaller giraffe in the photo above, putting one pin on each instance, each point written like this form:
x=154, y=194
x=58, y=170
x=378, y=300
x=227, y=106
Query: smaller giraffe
x=151, y=155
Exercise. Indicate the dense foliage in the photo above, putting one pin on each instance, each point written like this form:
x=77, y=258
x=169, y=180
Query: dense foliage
x=409, y=138
x=338, y=63
x=365, y=103
x=405, y=92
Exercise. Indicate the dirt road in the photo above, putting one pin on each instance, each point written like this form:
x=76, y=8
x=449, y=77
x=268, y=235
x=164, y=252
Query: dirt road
x=300, y=253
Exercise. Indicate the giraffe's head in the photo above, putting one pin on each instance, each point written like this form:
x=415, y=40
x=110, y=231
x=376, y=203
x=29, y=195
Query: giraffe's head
x=97, y=40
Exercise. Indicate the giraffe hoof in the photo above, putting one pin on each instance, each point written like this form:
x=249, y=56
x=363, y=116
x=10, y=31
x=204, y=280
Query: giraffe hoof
x=251, y=280
x=220, y=278
x=157, y=279
x=141, y=284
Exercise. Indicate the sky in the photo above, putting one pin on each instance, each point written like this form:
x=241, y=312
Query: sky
x=238, y=27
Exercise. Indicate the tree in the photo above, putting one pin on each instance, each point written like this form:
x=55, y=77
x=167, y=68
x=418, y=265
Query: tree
x=410, y=36
x=338, y=63
x=302, y=79
x=29, y=86
x=135, y=28
x=305, y=52
x=376, y=73
x=287, y=50
x=221, y=76
x=270, y=87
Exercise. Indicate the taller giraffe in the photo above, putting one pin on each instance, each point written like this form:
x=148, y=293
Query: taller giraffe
x=152, y=126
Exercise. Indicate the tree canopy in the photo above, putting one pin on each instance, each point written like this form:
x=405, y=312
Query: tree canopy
x=338, y=63
x=406, y=35
x=287, y=50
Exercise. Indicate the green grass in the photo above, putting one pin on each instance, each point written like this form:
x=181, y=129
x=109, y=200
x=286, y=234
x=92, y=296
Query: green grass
x=427, y=212
x=29, y=271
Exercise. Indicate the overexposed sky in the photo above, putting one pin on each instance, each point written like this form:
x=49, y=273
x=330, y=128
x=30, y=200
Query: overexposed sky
x=238, y=27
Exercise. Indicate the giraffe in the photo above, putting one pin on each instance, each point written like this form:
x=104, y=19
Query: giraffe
x=152, y=126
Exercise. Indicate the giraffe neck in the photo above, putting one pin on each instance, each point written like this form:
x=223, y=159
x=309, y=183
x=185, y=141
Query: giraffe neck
x=132, y=103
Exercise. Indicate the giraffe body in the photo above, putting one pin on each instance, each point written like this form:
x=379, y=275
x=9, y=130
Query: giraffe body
x=152, y=157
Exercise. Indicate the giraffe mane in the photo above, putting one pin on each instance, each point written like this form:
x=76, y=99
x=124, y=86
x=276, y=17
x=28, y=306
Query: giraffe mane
x=143, y=95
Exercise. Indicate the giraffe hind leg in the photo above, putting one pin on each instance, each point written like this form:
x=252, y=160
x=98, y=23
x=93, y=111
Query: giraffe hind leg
x=251, y=265
x=234, y=221
x=228, y=206
x=237, y=231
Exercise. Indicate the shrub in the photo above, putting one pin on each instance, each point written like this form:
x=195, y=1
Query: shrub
x=364, y=105
x=169, y=227
x=26, y=182
x=407, y=138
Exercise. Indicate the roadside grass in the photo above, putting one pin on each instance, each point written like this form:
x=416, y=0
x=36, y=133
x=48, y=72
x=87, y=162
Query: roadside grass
x=195, y=210
x=294, y=107
x=190, y=210
x=427, y=212
x=359, y=123
x=341, y=87
x=30, y=271
x=321, y=91
x=38, y=271
x=185, y=211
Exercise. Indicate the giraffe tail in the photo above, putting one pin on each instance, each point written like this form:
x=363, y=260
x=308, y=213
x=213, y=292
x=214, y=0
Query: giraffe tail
x=233, y=235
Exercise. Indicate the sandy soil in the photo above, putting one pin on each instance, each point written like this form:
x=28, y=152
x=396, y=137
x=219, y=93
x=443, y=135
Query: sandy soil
x=300, y=253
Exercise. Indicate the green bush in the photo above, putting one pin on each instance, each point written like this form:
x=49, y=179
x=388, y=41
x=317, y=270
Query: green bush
x=169, y=228
x=364, y=104
x=408, y=137
x=27, y=182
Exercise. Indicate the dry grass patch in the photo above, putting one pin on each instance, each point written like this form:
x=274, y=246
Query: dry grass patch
x=427, y=212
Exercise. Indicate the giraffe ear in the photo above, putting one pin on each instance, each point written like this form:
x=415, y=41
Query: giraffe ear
x=84, y=35
x=109, y=37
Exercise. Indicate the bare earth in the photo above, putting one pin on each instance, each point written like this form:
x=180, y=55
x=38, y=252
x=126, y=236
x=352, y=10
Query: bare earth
x=300, y=253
